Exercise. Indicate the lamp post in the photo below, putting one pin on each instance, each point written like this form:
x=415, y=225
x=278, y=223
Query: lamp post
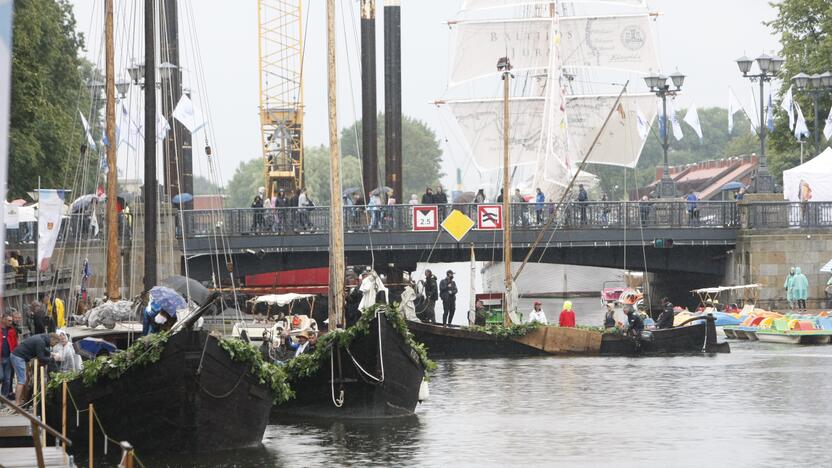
x=769, y=67
x=816, y=86
x=658, y=84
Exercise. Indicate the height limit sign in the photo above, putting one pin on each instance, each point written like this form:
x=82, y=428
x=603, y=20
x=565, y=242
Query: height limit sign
x=489, y=217
x=425, y=219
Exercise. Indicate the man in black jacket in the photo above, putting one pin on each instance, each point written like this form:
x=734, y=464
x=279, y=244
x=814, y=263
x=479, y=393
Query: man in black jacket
x=36, y=346
x=665, y=319
x=427, y=197
x=447, y=291
x=431, y=294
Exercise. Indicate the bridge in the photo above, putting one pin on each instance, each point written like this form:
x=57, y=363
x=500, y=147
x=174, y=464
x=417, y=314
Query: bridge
x=609, y=234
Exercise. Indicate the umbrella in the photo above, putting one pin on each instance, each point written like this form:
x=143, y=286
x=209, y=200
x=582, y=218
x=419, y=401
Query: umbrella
x=167, y=299
x=83, y=202
x=182, y=198
x=465, y=197
x=385, y=188
x=350, y=191
x=188, y=286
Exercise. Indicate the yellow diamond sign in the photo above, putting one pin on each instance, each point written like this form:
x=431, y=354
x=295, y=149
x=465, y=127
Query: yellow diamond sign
x=457, y=224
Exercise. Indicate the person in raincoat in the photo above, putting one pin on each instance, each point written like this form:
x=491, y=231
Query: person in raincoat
x=800, y=289
x=787, y=285
x=156, y=319
x=567, y=315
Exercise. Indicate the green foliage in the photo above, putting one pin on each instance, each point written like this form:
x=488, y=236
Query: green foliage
x=804, y=27
x=316, y=173
x=601, y=330
x=203, y=186
x=716, y=143
x=503, y=332
x=270, y=374
x=143, y=352
x=47, y=88
x=306, y=364
x=244, y=183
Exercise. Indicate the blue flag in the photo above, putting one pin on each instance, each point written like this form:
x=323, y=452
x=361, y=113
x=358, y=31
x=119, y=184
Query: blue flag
x=770, y=115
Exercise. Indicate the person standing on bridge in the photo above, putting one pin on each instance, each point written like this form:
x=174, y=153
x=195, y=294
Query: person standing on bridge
x=583, y=198
x=447, y=292
x=539, y=199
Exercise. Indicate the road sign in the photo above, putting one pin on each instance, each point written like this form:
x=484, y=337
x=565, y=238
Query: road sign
x=490, y=217
x=457, y=224
x=425, y=218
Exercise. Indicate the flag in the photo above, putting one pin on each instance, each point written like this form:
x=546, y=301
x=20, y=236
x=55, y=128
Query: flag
x=642, y=125
x=188, y=115
x=94, y=223
x=50, y=211
x=674, y=122
x=787, y=104
x=127, y=130
x=827, y=129
x=800, y=129
x=662, y=122
x=12, y=216
x=692, y=119
x=162, y=127
x=770, y=114
x=87, y=130
x=733, y=106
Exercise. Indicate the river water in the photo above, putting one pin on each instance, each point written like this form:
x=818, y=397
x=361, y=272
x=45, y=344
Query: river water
x=761, y=405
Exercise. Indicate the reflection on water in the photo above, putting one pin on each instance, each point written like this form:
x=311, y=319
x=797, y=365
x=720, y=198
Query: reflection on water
x=762, y=405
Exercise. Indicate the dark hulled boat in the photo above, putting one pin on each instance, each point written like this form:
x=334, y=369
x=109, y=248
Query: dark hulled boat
x=195, y=398
x=377, y=375
x=687, y=338
x=461, y=342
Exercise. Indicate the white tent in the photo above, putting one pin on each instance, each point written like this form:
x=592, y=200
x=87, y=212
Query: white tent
x=811, y=181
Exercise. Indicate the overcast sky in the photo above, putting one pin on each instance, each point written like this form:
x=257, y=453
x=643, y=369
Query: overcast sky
x=702, y=38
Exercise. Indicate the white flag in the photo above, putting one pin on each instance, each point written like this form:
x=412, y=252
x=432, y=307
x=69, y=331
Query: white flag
x=827, y=129
x=94, y=223
x=87, y=130
x=12, y=216
x=50, y=211
x=733, y=106
x=162, y=127
x=787, y=104
x=692, y=119
x=674, y=121
x=642, y=125
x=188, y=115
x=800, y=129
x=127, y=130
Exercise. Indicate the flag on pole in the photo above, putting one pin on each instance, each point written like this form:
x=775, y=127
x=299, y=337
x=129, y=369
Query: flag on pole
x=188, y=115
x=770, y=114
x=692, y=119
x=733, y=106
x=86, y=125
x=162, y=127
x=94, y=223
x=827, y=129
x=662, y=121
x=787, y=104
x=674, y=122
x=50, y=211
x=127, y=130
x=642, y=125
x=800, y=129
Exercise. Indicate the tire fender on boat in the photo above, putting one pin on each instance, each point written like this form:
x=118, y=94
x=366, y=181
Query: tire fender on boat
x=424, y=391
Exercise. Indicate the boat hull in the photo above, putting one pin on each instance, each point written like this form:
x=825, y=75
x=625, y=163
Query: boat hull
x=363, y=397
x=459, y=342
x=794, y=338
x=694, y=338
x=194, y=399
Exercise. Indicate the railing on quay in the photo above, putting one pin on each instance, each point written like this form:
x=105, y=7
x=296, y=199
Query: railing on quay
x=399, y=218
x=769, y=215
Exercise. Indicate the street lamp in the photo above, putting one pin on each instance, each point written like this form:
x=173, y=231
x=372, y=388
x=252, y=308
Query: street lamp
x=658, y=85
x=816, y=86
x=136, y=72
x=122, y=85
x=769, y=67
x=95, y=87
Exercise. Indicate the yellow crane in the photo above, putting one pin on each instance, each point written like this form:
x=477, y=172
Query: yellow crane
x=280, y=48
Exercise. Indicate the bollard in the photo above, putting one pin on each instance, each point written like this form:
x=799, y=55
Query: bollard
x=91, y=409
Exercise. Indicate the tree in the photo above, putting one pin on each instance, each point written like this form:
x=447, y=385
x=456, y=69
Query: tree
x=203, y=186
x=45, y=132
x=421, y=158
x=242, y=187
x=316, y=173
x=803, y=26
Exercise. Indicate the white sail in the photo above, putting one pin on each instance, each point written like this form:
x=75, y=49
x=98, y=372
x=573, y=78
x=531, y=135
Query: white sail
x=613, y=42
x=487, y=4
x=477, y=46
x=481, y=122
x=620, y=143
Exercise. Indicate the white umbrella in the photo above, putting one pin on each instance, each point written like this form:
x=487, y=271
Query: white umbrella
x=827, y=268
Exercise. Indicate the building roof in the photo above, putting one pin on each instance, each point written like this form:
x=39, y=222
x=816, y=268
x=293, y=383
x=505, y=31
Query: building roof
x=707, y=178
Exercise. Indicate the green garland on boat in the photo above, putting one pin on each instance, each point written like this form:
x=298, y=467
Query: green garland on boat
x=270, y=374
x=306, y=364
x=506, y=332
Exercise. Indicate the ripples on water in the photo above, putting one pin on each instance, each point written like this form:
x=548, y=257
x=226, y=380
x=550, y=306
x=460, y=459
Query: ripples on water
x=761, y=405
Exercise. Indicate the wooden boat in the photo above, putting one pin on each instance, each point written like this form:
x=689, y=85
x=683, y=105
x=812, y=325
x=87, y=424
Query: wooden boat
x=184, y=402
x=377, y=375
x=463, y=342
x=697, y=335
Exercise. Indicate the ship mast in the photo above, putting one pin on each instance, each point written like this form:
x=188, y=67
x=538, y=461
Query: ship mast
x=112, y=173
x=336, y=228
x=504, y=65
x=150, y=184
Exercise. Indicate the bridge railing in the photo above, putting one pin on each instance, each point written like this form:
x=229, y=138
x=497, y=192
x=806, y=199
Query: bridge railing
x=399, y=218
x=789, y=214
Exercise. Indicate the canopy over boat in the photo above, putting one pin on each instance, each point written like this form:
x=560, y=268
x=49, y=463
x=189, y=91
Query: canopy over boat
x=280, y=299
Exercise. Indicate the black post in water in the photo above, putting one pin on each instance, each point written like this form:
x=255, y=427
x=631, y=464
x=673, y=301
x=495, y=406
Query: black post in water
x=150, y=185
x=178, y=160
x=393, y=97
x=369, y=119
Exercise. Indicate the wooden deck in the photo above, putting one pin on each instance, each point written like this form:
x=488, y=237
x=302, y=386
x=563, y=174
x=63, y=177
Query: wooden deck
x=15, y=426
x=25, y=457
